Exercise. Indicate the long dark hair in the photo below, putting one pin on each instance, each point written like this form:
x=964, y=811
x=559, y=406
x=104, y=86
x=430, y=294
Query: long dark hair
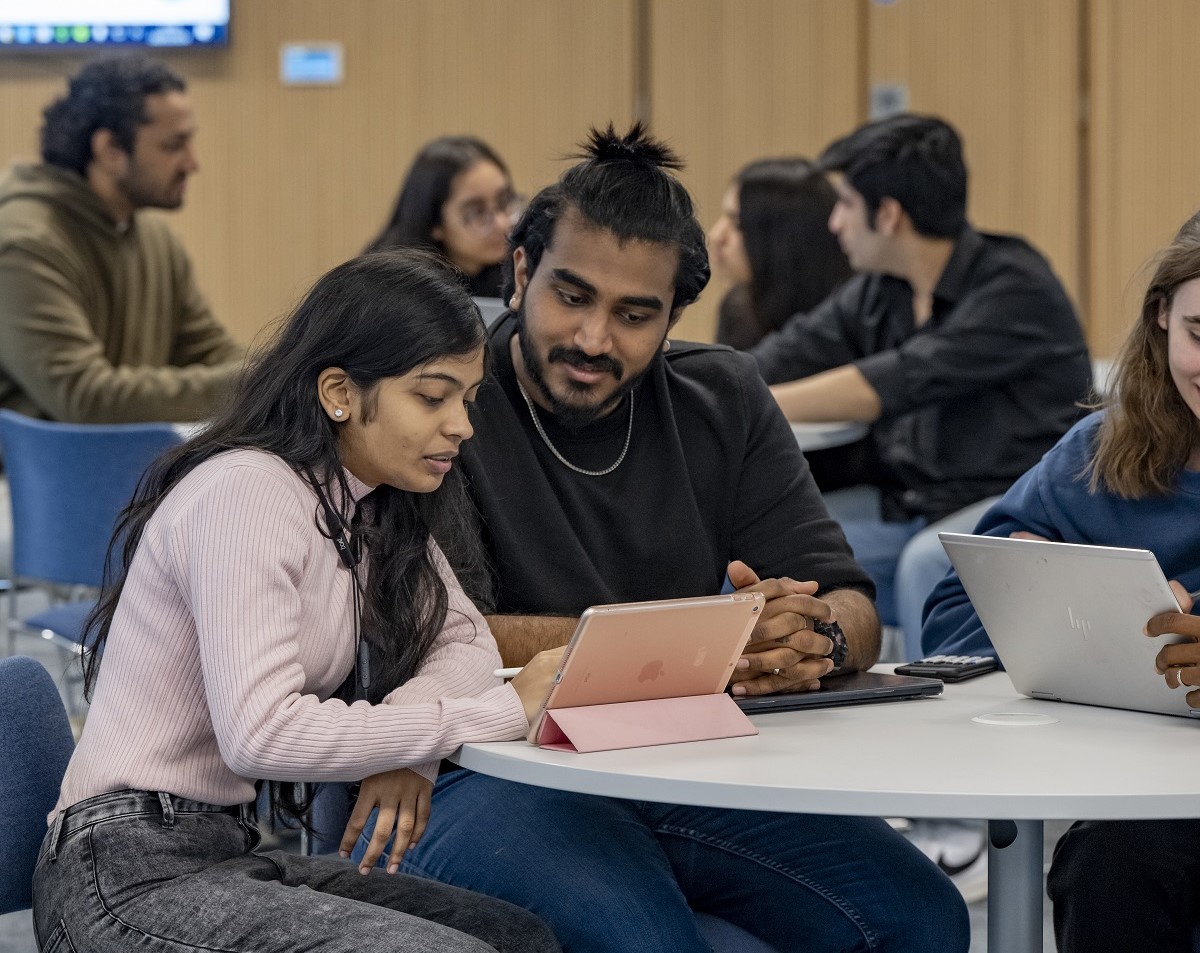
x=418, y=209
x=795, y=261
x=376, y=317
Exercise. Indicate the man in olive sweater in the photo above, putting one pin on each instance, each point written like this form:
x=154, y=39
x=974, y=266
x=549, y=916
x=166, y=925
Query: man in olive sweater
x=100, y=317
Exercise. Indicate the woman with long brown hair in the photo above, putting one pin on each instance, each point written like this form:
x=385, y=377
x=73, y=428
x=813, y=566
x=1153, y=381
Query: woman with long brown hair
x=1127, y=475
x=773, y=241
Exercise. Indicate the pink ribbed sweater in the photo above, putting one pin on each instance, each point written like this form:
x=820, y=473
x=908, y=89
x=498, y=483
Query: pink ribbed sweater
x=235, y=626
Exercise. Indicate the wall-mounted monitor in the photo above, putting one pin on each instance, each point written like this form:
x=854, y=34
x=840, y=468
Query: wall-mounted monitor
x=90, y=25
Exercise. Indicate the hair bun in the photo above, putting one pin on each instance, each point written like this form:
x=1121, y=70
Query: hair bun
x=636, y=147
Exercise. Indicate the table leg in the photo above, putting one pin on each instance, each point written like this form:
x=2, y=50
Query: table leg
x=1014, y=923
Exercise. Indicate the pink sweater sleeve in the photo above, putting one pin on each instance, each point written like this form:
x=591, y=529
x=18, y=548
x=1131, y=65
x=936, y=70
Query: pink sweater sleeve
x=244, y=549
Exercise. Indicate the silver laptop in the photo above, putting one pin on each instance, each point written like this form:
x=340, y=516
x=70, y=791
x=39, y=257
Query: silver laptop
x=1067, y=619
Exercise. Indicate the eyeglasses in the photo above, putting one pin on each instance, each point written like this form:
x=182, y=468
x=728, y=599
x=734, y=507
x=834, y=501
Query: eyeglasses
x=480, y=216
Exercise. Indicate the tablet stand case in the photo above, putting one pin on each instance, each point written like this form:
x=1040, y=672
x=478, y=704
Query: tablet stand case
x=655, y=721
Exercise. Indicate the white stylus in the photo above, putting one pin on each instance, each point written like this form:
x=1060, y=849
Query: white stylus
x=507, y=672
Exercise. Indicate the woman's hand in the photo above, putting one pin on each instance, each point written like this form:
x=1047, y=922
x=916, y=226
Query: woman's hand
x=1179, y=663
x=402, y=797
x=535, y=680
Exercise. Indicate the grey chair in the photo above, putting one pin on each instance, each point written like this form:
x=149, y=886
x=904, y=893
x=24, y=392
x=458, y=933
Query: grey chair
x=491, y=309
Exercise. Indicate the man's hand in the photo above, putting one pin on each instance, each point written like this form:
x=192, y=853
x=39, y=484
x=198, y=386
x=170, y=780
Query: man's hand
x=402, y=797
x=1179, y=663
x=784, y=653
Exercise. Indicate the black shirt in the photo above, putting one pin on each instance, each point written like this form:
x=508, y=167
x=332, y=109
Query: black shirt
x=713, y=473
x=971, y=399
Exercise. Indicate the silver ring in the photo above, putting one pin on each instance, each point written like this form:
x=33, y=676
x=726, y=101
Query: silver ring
x=1179, y=676
x=776, y=671
x=806, y=623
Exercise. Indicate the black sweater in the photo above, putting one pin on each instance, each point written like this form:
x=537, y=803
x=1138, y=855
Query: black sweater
x=713, y=474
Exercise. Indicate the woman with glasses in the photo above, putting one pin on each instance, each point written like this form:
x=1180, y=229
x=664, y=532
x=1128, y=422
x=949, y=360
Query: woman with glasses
x=773, y=241
x=458, y=199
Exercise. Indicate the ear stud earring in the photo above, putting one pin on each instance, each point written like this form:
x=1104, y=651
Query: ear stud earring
x=338, y=412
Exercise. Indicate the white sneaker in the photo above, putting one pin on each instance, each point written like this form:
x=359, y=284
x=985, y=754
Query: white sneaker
x=959, y=848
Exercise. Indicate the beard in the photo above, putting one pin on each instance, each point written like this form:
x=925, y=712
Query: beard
x=143, y=192
x=571, y=414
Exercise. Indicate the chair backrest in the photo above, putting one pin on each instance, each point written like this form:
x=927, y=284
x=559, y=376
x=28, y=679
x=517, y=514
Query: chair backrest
x=491, y=309
x=35, y=746
x=68, y=482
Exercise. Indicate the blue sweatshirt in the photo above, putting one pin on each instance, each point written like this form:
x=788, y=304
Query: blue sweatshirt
x=1053, y=500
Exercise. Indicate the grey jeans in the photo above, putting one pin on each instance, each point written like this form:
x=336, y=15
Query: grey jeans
x=139, y=870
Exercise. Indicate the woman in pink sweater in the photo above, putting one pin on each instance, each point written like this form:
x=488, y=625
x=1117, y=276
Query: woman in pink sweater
x=278, y=608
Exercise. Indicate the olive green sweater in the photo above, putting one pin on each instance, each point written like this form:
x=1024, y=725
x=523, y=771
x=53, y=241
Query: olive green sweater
x=100, y=323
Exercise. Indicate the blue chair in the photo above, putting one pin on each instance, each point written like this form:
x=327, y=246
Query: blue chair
x=68, y=482
x=35, y=746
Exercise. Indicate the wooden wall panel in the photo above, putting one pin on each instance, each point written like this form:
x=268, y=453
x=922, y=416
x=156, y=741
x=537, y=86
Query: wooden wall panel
x=1006, y=75
x=736, y=80
x=294, y=180
x=1143, y=143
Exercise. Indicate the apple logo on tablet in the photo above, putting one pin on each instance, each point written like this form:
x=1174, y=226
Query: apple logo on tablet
x=651, y=671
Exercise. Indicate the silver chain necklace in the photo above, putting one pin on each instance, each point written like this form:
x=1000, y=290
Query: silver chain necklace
x=563, y=460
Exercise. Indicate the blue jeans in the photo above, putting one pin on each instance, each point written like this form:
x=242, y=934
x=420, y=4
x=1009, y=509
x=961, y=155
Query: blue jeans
x=133, y=870
x=612, y=875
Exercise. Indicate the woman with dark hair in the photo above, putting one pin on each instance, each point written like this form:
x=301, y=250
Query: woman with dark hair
x=276, y=607
x=458, y=199
x=773, y=241
x=1129, y=476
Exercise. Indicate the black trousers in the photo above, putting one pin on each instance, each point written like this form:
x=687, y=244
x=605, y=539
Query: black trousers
x=1126, y=887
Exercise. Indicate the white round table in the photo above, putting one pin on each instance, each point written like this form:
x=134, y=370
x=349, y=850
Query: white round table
x=822, y=436
x=923, y=758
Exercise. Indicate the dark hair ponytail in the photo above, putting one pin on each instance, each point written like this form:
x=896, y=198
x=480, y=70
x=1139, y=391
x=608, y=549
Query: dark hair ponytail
x=624, y=185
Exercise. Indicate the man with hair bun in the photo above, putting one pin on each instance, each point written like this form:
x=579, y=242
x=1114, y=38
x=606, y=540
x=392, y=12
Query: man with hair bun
x=613, y=465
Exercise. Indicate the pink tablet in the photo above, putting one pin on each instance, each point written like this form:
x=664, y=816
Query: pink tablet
x=636, y=651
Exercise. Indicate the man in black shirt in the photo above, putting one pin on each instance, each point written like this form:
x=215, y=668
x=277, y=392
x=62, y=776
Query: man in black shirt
x=611, y=466
x=961, y=349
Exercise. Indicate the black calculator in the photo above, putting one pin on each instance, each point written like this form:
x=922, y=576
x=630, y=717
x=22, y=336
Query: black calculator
x=949, y=668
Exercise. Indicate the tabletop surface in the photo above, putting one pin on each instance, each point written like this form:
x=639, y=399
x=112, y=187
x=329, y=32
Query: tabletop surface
x=834, y=433
x=920, y=758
